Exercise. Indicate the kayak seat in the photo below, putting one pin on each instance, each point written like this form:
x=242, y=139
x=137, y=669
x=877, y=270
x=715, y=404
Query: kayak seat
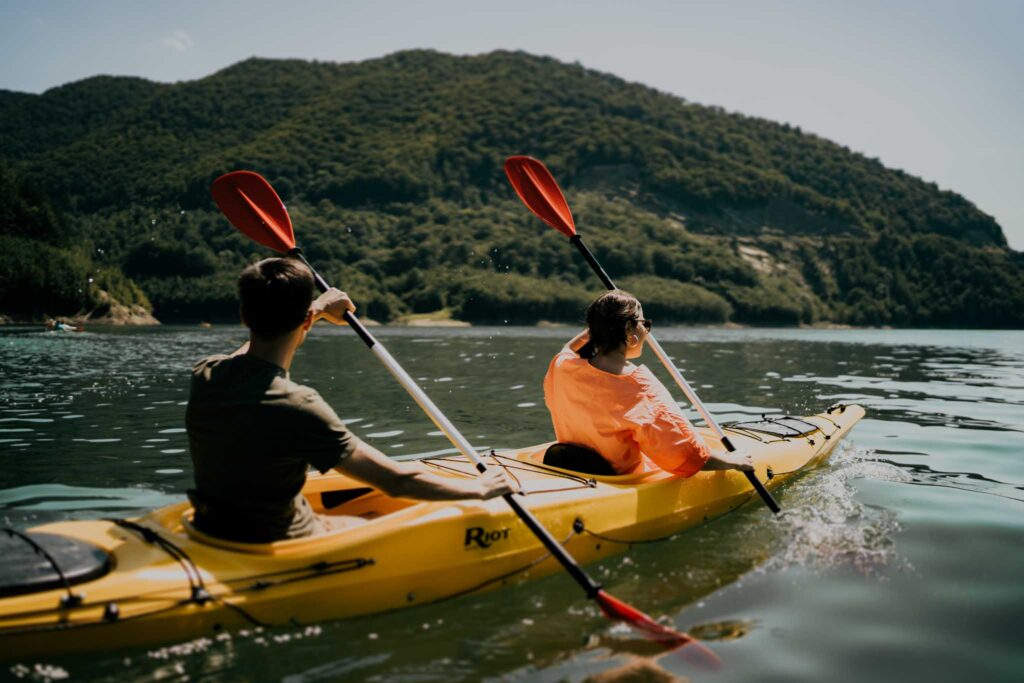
x=331, y=525
x=645, y=474
x=577, y=458
x=333, y=499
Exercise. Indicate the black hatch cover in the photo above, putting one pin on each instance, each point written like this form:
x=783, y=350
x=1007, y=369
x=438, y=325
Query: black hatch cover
x=23, y=569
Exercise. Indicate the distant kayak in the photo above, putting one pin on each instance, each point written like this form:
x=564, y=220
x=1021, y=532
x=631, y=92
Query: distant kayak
x=57, y=326
x=80, y=586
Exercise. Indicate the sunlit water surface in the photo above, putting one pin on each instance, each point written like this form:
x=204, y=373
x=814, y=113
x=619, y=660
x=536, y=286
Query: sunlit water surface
x=901, y=559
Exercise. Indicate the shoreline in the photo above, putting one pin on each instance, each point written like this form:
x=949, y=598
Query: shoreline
x=116, y=314
x=443, y=321
x=6, y=321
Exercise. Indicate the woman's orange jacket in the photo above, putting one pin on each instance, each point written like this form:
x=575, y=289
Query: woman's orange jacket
x=622, y=417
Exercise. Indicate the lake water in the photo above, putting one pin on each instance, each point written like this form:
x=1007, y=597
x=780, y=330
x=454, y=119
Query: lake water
x=901, y=559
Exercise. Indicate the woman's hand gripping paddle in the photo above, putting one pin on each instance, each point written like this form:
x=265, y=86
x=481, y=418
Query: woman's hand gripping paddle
x=537, y=188
x=252, y=206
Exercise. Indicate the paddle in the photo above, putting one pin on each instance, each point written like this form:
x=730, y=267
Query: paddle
x=252, y=206
x=537, y=188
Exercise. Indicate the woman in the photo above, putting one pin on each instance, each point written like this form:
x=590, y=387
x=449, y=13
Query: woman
x=607, y=406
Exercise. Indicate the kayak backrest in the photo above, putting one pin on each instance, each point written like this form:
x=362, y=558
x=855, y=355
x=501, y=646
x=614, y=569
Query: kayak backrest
x=535, y=456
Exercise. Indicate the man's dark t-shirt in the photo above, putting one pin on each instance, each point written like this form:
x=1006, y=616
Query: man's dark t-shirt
x=252, y=435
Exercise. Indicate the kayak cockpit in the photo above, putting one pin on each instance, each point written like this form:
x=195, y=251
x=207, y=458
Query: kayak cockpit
x=343, y=503
x=335, y=495
x=359, y=508
x=339, y=525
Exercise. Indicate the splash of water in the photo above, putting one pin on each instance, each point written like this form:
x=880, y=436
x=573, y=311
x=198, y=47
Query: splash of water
x=825, y=525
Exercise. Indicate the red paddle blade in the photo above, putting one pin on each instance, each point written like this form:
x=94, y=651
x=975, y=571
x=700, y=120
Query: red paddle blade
x=253, y=207
x=689, y=647
x=537, y=188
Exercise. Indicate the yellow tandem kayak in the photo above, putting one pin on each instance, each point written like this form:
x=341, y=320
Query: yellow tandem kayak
x=155, y=579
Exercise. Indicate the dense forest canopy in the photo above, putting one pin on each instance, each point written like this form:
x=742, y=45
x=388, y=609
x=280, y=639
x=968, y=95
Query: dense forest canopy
x=392, y=171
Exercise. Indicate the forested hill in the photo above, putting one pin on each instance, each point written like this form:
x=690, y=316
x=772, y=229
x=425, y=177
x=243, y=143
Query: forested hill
x=392, y=170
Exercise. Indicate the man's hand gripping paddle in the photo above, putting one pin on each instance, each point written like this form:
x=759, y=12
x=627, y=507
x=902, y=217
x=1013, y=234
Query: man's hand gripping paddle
x=252, y=206
x=537, y=188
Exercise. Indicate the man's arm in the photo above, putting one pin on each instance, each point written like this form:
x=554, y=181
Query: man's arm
x=244, y=348
x=730, y=461
x=411, y=480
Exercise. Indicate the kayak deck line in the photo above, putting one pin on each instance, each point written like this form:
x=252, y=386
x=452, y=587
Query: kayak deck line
x=580, y=528
x=510, y=464
x=783, y=431
x=170, y=583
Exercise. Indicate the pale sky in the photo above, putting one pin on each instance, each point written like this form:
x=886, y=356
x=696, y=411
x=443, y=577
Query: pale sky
x=934, y=87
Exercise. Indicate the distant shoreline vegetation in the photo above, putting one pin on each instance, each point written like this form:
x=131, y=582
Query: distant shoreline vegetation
x=391, y=169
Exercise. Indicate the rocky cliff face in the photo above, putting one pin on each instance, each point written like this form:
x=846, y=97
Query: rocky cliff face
x=110, y=311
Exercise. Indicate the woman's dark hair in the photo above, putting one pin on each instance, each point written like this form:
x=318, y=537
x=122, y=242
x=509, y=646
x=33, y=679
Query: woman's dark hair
x=276, y=294
x=608, y=316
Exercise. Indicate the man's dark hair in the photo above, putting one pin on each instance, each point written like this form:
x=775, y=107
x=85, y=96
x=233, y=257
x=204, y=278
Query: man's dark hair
x=607, y=317
x=276, y=294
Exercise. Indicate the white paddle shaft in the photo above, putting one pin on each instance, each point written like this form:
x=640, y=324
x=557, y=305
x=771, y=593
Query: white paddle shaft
x=424, y=402
x=684, y=385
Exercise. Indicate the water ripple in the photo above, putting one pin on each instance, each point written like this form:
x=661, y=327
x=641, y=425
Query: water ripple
x=932, y=482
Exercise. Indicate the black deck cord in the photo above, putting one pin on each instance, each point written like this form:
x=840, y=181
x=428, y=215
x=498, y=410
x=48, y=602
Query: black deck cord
x=72, y=599
x=526, y=466
x=498, y=462
x=579, y=527
x=320, y=569
x=195, y=579
x=69, y=625
x=796, y=432
x=816, y=427
x=737, y=428
x=825, y=415
x=740, y=428
x=747, y=429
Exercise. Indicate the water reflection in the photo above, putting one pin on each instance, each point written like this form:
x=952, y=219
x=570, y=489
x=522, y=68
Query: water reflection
x=93, y=423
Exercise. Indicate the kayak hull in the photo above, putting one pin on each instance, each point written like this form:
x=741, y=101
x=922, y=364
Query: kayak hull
x=172, y=583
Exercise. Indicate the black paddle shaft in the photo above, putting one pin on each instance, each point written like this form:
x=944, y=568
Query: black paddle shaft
x=554, y=547
x=765, y=494
x=582, y=578
x=349, y=316
x=577, y=242
x=586, y=352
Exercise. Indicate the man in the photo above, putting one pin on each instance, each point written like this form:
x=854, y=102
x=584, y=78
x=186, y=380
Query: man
x=253, y=432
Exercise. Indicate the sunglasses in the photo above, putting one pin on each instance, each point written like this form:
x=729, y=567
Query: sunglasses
x=646, y=322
